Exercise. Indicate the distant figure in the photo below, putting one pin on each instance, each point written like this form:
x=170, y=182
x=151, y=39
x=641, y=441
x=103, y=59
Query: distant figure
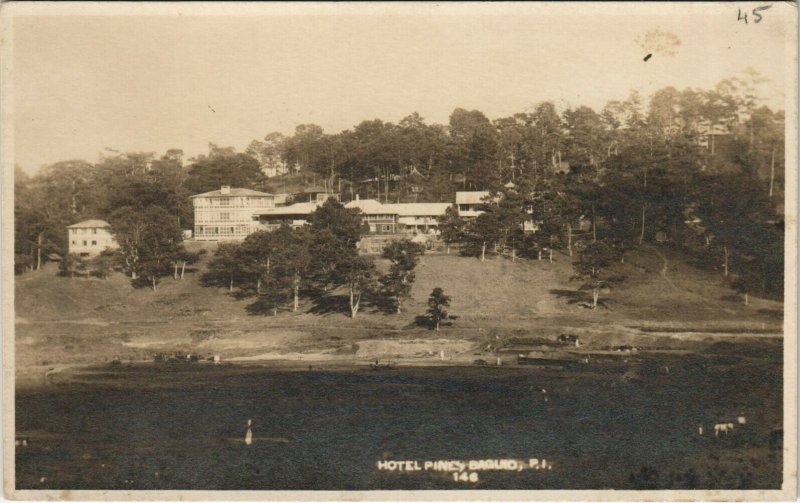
x=722, y=428
x=498, y=361
x=700, y=430
x=248, y=437
x=441, y=354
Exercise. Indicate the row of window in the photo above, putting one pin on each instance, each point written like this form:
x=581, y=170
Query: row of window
x=94, y=243
x=236, y=202
x=237, y=230
x=83, y=231
x=222, y=216
x=374, y=218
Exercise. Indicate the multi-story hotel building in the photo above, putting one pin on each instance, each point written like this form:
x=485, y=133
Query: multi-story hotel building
x=228, y=213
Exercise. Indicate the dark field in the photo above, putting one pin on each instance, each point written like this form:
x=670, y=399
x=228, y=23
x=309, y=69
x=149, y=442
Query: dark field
x=151, y=426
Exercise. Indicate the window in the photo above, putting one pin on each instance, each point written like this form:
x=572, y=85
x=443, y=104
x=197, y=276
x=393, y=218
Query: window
x=94, y=243
x=225, y=215
x=84, y=242
x=224, y=201
x=73, y=241
x=94, y=231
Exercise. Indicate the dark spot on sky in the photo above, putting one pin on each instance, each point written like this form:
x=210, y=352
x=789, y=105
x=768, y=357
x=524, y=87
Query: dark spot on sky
x=648, y=56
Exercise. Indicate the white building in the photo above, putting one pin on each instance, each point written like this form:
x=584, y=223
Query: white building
x=295, y=215
x=90, y=237
x=419, y=217
x=469, y=203
x=229, y=213
x=381, y=218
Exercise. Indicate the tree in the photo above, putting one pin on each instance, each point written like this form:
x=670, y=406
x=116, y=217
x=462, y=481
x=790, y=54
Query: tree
x=160, y=245
x=71, y=265
x=293, y=259
x=404, y=256
x=451, y=227
x=182, y=258
x=305, y=149
x=226, y=267
x=591, y=267
x=22, y=263
x=102, y=265
x=358, y=275
x=150, y=241
x=127, y=227
x=484, y=231
x=258, y=252
x=223, y=167
x=345, y=224
x=438, y=303
x=475, y=147
x=269, y=153
x=275, y=291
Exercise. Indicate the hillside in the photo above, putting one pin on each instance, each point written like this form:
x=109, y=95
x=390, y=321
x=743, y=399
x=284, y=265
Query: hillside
x=61, y=320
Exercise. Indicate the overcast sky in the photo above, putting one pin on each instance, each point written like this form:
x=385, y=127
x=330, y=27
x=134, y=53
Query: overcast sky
x=149, y=83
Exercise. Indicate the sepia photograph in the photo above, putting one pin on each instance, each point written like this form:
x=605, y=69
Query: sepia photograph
x=332, y=251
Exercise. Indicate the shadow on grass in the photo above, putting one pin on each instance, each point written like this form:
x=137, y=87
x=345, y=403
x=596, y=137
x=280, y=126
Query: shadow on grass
x=580, y=298
x=425, y=321
x=329, y=304
x=572, y=296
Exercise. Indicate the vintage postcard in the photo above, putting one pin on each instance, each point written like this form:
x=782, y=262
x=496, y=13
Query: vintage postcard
x=399, y=251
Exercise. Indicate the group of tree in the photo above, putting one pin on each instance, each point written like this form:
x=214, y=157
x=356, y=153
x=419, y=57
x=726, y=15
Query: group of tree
x=116, y=188
x=280, y=267
x=630, y=171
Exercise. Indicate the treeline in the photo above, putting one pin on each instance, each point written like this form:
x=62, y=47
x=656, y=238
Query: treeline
x=279, y=268
x=119, y=185
x=702, y=167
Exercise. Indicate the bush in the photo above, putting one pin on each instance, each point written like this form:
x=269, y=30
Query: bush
x=22, y=263
x=71, y=265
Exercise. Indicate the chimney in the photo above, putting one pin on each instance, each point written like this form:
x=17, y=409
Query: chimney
x=225, y=190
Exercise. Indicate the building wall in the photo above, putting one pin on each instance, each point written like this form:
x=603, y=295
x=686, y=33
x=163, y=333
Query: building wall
x=227, y=217
x=470, y=210
x=381, y=224
x=88, y=242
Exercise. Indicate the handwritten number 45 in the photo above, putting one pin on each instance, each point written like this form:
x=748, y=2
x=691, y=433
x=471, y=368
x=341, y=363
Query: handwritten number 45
x=756, y=16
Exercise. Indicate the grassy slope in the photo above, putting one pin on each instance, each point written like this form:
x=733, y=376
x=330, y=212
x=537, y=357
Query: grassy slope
x=68, y=320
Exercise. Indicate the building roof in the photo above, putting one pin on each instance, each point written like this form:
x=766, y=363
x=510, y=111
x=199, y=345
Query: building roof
x=369, y=207
x=417, y=209
x=472, y=197
x=292, y=209
x=89, y=224
x=233, y=193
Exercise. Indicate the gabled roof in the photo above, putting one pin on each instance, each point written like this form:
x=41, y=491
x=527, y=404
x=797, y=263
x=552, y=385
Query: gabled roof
x=233, y=193
x=293, y=209
x=472, y=197
x=369, y=207
x=89, y=224
x=417, y=209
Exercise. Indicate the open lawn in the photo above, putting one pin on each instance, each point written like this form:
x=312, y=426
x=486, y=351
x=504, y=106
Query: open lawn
x=64, y=321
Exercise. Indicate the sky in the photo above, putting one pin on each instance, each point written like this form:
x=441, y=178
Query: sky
x=187, y=77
